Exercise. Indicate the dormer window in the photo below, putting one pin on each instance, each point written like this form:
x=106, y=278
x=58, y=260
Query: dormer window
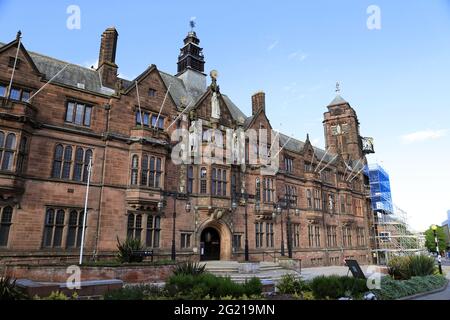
x=152, y=93
x=12, y=61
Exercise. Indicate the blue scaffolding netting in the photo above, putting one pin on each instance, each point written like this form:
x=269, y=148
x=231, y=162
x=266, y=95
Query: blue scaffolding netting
x=380, y=189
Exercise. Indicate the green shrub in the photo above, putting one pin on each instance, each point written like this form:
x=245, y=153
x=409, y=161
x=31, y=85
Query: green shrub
x=206, y=285
x=9, y=290
x=253, y=287
x=406, y=267
x=140, y=292
x=420, y=266
x=394, y=289
x=190, y=268
x=334, y=287
x=127, y=248
x=290, y=284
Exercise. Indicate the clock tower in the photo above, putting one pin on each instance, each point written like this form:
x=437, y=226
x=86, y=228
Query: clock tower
x=342, y=130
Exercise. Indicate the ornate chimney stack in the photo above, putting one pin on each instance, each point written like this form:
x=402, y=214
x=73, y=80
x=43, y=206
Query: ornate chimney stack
x=107, y=58
x=258, y=102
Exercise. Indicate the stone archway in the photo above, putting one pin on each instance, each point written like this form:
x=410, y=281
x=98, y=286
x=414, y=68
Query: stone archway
x=223, y=236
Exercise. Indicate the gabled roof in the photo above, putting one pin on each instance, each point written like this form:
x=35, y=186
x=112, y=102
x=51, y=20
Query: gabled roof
x=72, y=76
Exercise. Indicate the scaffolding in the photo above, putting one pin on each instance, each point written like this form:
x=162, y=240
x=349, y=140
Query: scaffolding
x=390, y=232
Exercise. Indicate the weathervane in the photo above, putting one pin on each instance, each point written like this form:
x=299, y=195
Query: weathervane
x=338, y=87
x=192, y=24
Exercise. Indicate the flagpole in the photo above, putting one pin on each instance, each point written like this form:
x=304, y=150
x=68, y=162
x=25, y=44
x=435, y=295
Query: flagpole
x=85, y=211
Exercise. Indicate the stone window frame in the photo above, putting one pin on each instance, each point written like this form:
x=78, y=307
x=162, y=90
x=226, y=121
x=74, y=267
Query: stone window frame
x=6, y=221
x=60, y=229
x=203, y=185
x=314, y=235
x=259, y=235
x=190, y=179
x=87, y=109
x=347, y=241
x=148, y=117
x=24, y=93
x=270, y=235
x=153, y=231
x=296, y=227
x=8, y=146
x=268, y=190
x=289, y=164
x=219, y=182
x=186, y=240
x=332, y=236
x=237, y=241
x=147, y=170
x=65, y=162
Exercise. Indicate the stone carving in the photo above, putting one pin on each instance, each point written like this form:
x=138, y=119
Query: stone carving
x=215, y=103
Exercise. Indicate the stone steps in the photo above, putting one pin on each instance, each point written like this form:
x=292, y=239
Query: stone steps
x=268, y=272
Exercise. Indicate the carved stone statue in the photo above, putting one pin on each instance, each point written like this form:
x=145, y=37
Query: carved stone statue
x=215, y=104
x=194, y=136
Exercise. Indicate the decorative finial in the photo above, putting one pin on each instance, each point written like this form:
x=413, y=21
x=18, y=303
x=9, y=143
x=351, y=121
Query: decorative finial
x=338, y=88
x=307, y=137
x=192, y=23
x=19, y=35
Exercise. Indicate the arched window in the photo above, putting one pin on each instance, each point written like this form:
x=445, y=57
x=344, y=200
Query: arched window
x=144, y=175
x=87, y=158
x=224, y=183
x=8, y=153
x=59, y=228
x=203, y=181
x=134, y=170
x=5, y=225
x=78, y=168
x=190, y=179
x=213, y=182
x=72, y=231
x=67, y=163
x=75, y=229
x=134, y=228
x=57, y=161
x=48, y=229
x=258, y=189
x=22, y=154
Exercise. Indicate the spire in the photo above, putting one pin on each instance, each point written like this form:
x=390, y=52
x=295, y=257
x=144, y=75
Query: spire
x=191, y=55
x=307, y=138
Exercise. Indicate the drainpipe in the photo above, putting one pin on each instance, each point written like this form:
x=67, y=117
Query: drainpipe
x=97, y=237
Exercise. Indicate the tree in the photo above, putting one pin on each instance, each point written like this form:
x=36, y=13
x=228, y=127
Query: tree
x=430, y=242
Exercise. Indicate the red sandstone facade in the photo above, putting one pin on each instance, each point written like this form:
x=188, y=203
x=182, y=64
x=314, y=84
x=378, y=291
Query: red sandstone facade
x=46, y=143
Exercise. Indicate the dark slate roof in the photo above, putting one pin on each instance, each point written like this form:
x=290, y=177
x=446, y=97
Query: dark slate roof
x=72, y=76
x=295, y=145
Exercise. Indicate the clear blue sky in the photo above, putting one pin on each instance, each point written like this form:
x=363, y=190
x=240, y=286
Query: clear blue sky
x=397, y=78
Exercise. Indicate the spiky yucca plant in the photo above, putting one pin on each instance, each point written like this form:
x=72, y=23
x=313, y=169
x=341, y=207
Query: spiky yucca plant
x=127, y=248
x=190, y=268
x=9, y=290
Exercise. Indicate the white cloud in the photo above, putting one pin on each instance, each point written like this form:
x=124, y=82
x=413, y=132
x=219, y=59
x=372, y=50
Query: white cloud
x=424, y=135
x=298, y=55
x=272, y=45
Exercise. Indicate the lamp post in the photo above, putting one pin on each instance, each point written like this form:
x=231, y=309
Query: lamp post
x=234, y=206
x=286, y=203
x=279, y=212
x=175, y=196
x=434, y=228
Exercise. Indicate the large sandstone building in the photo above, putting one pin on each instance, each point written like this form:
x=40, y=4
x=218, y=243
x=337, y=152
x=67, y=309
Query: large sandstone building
x=125, y=127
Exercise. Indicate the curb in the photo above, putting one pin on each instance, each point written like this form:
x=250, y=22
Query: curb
x=426, y=293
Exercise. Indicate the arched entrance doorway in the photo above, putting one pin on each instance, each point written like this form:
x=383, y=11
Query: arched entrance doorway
x=210, y=245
